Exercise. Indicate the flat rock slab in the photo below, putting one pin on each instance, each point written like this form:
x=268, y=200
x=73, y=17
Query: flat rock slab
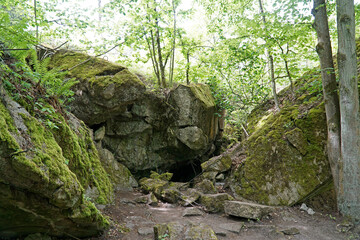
x=146, y=231
x=189, y=212
x=291, y=231
x=232, y=227
x=246, y=210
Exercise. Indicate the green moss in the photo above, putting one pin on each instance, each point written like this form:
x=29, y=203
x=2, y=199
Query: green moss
x=203, y=93
x=122, y=77
x=83, y=158
x=87, y=210
x=97, y=71
x=48, y=156
x=7, y=126
x=153, y=185
x=285, y=156
x=164, y=176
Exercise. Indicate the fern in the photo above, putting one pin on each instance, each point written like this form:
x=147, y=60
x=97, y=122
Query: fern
x=53, y=80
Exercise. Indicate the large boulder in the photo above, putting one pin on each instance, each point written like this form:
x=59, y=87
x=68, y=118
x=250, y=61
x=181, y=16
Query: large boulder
x=144, y=130
x=104, y=89
x=160, y=133
x=44, y=172
x=284, y=160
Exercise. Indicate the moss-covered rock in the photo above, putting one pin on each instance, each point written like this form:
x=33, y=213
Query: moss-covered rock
x=214, y=203
x=284, y=159
x=39, y=190
x=205, y=186
x=189, y=231
x=155, y=186
x=104, y=89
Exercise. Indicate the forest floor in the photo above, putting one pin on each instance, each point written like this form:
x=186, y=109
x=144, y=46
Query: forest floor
x=133, y=221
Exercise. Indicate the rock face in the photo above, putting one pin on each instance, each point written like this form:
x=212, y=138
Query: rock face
x=143, y=130
x=284, y=160
x=156, y=133
x=43, y=174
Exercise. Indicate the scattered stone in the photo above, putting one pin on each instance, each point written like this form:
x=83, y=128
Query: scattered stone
x=200, y=232
x=214, y=202
x=345, y=226
x=189, y=197
x=37, y=236
x=275, y=234
x=153, y=201
x=247, y=210
x=232, y=227
x=310, y=211
x=220, y=177
x=291, y=231
x=180, y=185
x=142, y=199
x=99, y=134
x=188, y=231
x=206, y=186
x=170, y=195
x=305, y=208
x=209, y=175
x=173, y=230
x=153, y=185
x=189, y=212
x=146, y=231
x=217, y=164
x=164, y=176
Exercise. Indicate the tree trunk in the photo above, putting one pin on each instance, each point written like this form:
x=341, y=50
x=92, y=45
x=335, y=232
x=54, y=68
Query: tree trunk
x=331, y=99
x=172, y=60
x=160, y=57
x=187, y=67
x=349, y=184
x=271, y=61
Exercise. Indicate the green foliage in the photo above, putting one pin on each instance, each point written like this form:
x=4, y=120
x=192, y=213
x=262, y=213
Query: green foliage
x=53, y=80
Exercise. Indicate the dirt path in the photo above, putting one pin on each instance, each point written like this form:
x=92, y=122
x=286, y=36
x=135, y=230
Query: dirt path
x=135, y=221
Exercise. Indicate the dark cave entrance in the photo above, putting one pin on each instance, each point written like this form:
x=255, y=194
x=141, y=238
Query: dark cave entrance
x=186, y=172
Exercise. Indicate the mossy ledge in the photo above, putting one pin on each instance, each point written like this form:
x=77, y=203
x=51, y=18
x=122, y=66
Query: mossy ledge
x=104, y=89
x=44, y=173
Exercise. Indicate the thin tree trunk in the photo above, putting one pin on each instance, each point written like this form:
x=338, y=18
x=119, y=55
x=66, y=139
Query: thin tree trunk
x=187, y=67
x=331, y=99
x=153, y=60
x=172, y=61
x=271, y=61
x=289, y=76
x=36, y=23
x=153, y=49
x=160, y=59
x=349, y=185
